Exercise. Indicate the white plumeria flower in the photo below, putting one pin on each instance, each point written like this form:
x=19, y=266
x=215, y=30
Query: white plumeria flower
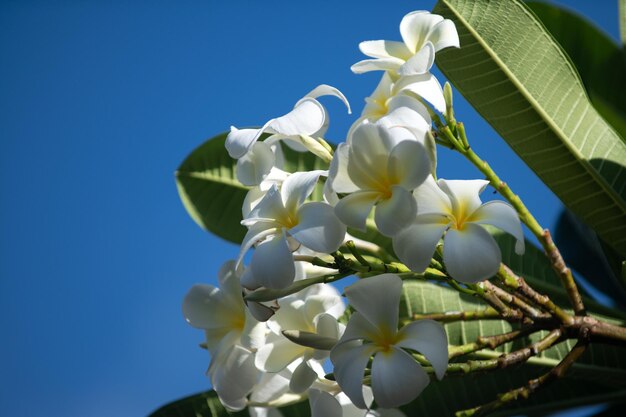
x=314, y=311
x=327, y=404
x=379, y=167
x=423, y=34
x=470, y=253
x=373, y=330
x=298, y=128
x=282, y=221
x=232, y=335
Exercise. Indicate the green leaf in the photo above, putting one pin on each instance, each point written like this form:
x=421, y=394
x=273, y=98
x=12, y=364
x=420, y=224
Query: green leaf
x=206, y=404
x=518, y=78
x=600, y=62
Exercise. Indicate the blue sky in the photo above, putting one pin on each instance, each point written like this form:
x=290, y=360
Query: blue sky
x=99, y=103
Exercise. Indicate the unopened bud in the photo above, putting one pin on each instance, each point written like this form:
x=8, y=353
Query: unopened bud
x=308, y=339
x=447, y=96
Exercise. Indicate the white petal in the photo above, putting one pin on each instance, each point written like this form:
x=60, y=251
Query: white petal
x=254, y=332
x=502, y=216
x=419, y=63
x=415, y=28
x=349, y=368
x=444, y=35
x=323, y=404
x=228, y=280
x=416, y=244
x=471, y=255
x=327, y=90
x=402, y=101
x=408, y=164
x=378, y=299
x=302, y=378
x=379, y=64
x=349, y=409
x=272, y=263
x=338, y=177
x=318, y=228
x=234, y=378
x=464, y=194
x=297, y=187
x=369, y=155
x=354, y=208
x=431, y=199
x=257, y=232
x=424, y=85
x=396, y=378
x=270, y=208
x=394, y=214
x=359, y=327
x=255, y=164
x=239, y=141
x=306, y=118
x=206, y=307
x=327, y=300
x=428, y=338
x=277, y=353
x=385, y=49
x=326, y=325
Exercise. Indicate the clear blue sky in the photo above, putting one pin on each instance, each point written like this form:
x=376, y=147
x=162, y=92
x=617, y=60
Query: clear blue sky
x=99, y=103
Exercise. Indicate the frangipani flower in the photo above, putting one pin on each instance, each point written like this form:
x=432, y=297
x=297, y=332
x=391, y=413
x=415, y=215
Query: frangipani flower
x=232, y=335
x=423, y=34
x=298, y=128
x=314, y=311
x=373, y=330
x=453, y=208
x=281, y=222
x=379, y=167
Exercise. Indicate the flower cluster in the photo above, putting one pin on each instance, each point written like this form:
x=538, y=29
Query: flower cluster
x=270, y=353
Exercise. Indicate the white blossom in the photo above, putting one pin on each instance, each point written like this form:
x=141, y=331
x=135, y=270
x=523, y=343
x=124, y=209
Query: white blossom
x=373, y=331
x=423, y=34
x=280, y=223
x=453, y=208
x=379, y=167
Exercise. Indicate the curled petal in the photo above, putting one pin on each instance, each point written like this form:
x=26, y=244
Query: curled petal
x=349, y=361
x=471, y=255
x=269, y=209
x=255, y=164
x=306, y=118
x=428, y=338
x=239, y=141
x=504, y=217
x=380, y=64
x=444, y=35
x=202, y=305
x=416, y=244
x=396, y=378
x=272, y=263
x=394, y=214
x=385, y=49
x=416, y=27
x=420, y=63
x=377, y=299
x=327, y=90
x=353, y=209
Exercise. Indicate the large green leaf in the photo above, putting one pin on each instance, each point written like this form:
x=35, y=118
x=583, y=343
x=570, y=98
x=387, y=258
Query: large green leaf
x=518, y=78
x=208, y=187
x=600, y=62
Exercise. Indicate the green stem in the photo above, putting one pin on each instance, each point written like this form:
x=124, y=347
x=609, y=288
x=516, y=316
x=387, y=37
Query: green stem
x=451, y=316
x=543, y=235
x=490, y=342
